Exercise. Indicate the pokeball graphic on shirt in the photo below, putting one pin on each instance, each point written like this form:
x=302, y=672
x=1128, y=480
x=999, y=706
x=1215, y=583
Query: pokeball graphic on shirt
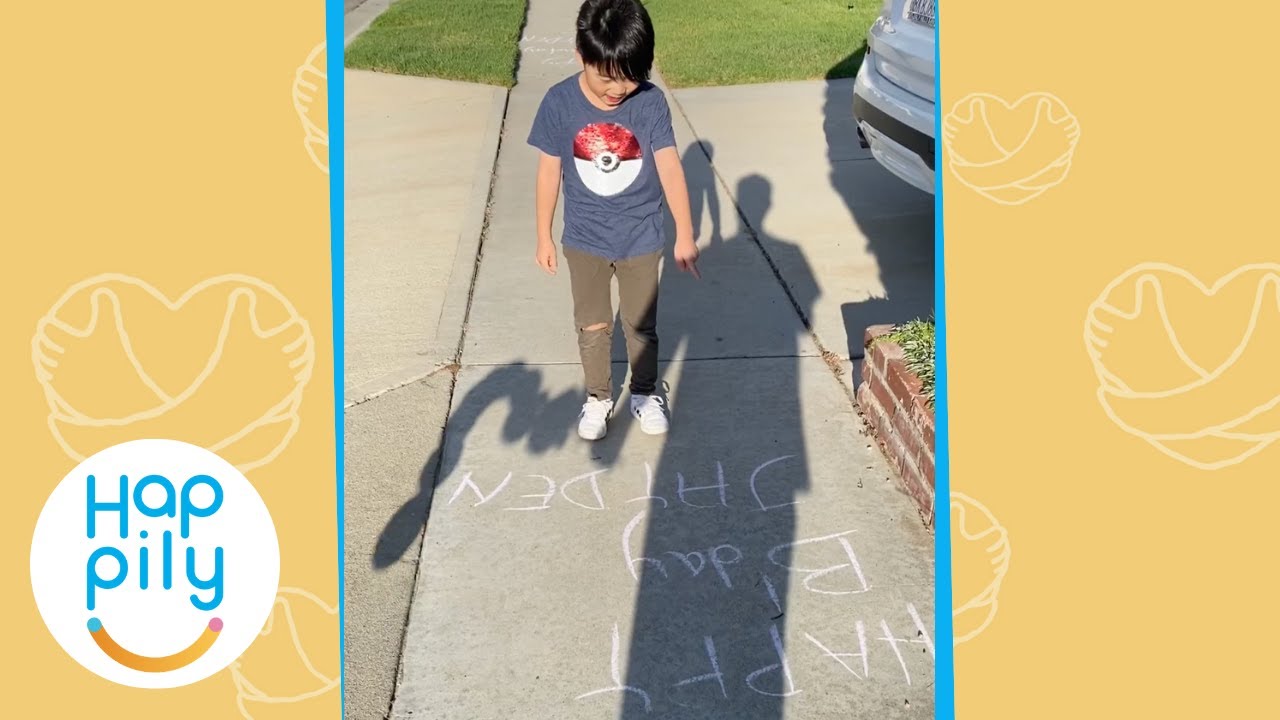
x=608, y=157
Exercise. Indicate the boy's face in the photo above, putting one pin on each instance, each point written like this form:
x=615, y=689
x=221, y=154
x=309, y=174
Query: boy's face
x=610, y=90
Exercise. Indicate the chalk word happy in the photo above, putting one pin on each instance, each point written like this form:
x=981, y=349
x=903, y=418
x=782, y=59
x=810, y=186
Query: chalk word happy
x=155, y=564
x=863, y=654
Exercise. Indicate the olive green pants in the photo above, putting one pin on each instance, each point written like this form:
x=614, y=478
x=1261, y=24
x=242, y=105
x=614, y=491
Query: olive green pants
x=591, y=277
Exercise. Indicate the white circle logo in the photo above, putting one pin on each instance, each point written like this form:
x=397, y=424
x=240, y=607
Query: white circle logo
x=155, y=564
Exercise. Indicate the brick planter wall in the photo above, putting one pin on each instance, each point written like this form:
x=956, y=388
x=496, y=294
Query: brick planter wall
x=902, y=423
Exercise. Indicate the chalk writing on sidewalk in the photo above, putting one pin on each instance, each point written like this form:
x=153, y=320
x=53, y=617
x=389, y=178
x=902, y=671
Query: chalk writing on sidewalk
x=552, y=55
x=758, y=492
x=614, y=673
x=857, y=651
x=552, y=49
x=723, y=555
x=723, y=535
x=530, y=39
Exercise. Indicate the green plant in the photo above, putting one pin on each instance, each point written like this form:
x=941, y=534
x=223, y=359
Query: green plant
x=916, y=338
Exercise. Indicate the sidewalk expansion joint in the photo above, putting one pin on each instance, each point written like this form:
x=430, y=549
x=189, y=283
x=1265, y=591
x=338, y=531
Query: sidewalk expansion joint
x=570, y=363
x=451, y=367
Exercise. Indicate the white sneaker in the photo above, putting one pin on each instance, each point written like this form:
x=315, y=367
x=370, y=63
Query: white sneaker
x=648, y=410
x=594, y=420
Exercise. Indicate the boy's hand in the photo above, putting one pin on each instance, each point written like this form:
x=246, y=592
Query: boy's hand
x=545, y=256
x=686, y=255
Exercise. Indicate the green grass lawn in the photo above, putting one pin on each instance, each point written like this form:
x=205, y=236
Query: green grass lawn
x=473, y=41
x=735, y=42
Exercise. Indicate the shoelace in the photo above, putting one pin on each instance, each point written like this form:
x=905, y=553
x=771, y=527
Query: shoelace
x=651, y=404
x=599, y=408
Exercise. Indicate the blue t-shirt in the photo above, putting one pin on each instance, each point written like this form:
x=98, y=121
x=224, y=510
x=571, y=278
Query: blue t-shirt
x=612, y=195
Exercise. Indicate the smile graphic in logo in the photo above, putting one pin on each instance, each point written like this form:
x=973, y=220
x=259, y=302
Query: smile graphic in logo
x=145, y=663
x=608, y=157
x=167, y=555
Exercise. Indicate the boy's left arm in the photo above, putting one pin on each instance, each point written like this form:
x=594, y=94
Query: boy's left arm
x=671, y=175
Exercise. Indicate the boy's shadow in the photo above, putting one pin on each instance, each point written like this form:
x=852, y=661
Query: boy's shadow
x=541, y=421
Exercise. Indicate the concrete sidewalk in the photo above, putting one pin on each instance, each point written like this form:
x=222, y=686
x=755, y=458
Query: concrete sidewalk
x=420, y=155
x=359, y=15
x=867, y=235
x=744, y=566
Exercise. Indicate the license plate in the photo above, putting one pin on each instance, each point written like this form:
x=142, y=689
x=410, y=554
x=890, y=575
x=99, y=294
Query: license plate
x=924, y=12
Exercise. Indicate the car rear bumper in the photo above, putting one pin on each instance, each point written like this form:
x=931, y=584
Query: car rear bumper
x=893, y=123
x=887, y=126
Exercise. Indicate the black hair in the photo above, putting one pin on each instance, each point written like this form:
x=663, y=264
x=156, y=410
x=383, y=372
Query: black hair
x=616, y=36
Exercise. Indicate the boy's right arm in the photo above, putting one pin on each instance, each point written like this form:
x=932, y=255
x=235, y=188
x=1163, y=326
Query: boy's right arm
x=548, y=193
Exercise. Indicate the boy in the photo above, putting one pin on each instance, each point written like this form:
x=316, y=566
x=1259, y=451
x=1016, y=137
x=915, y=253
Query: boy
x=606, y=132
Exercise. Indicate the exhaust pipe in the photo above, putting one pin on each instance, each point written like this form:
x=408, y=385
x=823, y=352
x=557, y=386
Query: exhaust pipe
x=862, y=139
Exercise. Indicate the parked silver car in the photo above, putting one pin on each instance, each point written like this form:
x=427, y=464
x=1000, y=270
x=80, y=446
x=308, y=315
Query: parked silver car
x=893, y=96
